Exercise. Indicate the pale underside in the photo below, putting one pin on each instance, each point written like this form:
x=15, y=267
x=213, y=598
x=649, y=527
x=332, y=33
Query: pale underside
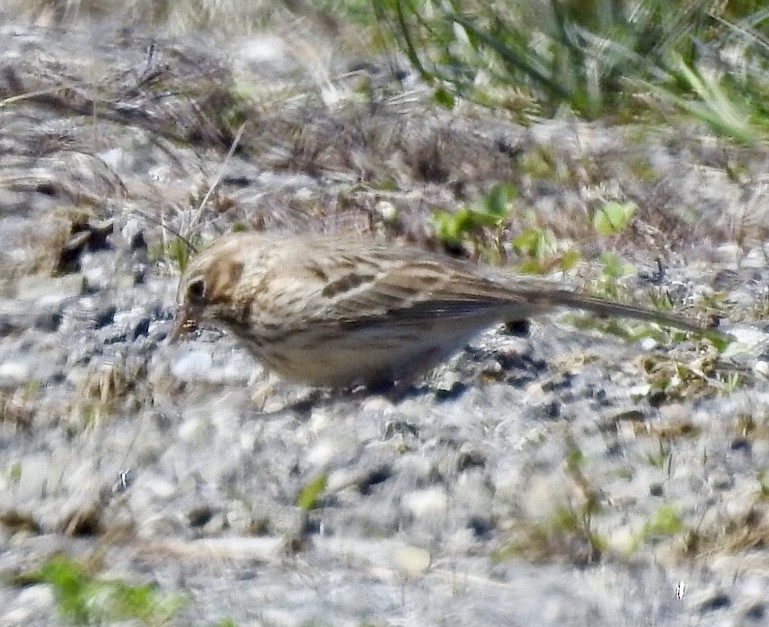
x=343, y=355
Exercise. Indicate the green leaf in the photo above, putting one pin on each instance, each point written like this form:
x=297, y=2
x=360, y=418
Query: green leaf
x=613, y=267
x=444, y=98
x=498, y=199
x=490, y=212
x=613, y=217
x=527, y=242
x=719, y=339
x=536, y=242
x=569, y=259
x=665, y=522
x=574, y=459
x=311, y=493
x=14, y=472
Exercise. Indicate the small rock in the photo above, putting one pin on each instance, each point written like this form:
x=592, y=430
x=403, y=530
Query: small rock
x=746, y=337
x=429, y=502
x=50, y=290
x=97, y=276
x=648, y=344
x=6, y=326
x=323, y=452
x=192, y=366
x=141, y=329
x=709, y=601
x=31, y=603
x=104, y=316
x=729, y=253
x=720, y=480
x=194, y=431
x=756, y=612
x=200, y=515
x=756, y=258
x=387, y=210
x=761, y=367
x=376, y=404
x=412, y=560
x=14, y=372
x=48, y=322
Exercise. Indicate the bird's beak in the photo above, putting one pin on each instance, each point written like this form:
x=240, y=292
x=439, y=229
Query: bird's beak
x=184, y=323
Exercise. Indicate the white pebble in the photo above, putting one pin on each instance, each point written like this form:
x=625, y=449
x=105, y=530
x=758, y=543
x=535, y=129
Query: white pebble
x=762, y=367
x=432, y=501
x=648, y=343
x=387, y=210
x=192, y=366
x=15, y=372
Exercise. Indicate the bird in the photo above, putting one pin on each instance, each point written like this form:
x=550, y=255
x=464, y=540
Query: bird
x=342, y=311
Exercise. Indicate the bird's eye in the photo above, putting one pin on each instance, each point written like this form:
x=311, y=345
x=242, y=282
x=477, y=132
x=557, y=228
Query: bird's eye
x=196, y=291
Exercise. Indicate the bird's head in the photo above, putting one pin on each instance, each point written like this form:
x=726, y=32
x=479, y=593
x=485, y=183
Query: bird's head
x=207, y=289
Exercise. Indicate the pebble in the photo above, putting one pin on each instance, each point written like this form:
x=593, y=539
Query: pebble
x=431, y=502
x=747, y=338
x=31, y=603
x=49, y=291
x=729, y=253
x=412, y=560
x=48, y=322
x=762, y=368
x=192, y=366
x=15, y=372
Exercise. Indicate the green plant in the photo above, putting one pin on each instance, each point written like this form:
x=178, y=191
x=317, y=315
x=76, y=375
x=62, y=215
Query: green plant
x=763, y=487
x=176, y=250
x=615, y=268
x=663, y=458
x=565, y=536
x=311, y=493
x=542, y=251
x=179, y=252
x=469, y=222
x=596, y=57
x=714, y=104
x=568, y=533
x=84, y=599
x=613, y=217
x=665, y=522
x=14, y=472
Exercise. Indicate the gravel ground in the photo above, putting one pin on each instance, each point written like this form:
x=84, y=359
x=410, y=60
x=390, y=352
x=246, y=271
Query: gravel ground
x=539, y=477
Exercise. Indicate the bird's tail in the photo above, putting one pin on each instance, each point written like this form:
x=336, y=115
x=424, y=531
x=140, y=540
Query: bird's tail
x=556, y=298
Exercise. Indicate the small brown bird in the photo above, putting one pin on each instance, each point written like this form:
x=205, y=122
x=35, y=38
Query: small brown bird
x=341, y=311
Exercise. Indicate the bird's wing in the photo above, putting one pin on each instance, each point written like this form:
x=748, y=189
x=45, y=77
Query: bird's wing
x=345, y=284
x=347, y=287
